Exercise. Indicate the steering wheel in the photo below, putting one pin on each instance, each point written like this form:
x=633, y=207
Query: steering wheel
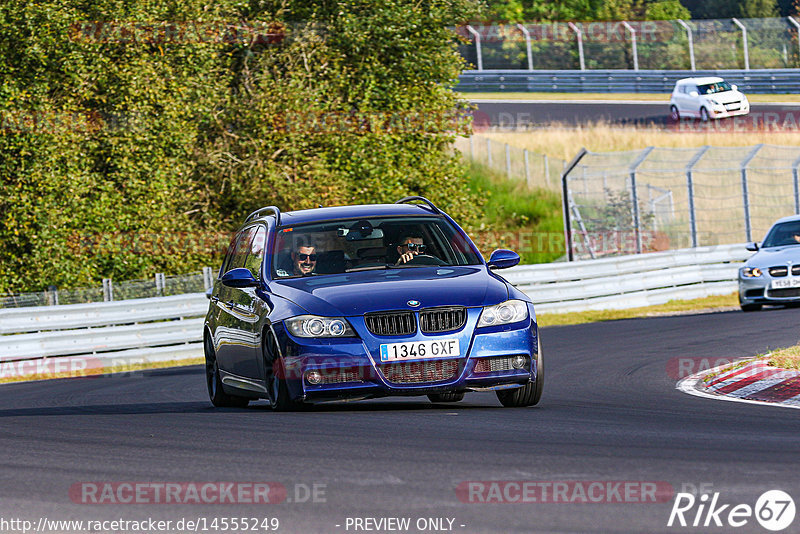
x=425, y=259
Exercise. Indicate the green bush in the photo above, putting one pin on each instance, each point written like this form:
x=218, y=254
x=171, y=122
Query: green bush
x=124, y=155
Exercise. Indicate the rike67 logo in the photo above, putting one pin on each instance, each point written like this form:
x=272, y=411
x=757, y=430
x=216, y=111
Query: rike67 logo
x=774, y=510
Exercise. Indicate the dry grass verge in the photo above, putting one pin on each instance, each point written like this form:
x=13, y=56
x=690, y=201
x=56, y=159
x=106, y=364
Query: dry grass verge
x=561, y=141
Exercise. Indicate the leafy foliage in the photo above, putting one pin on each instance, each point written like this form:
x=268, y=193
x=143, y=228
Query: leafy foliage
x=127, y=153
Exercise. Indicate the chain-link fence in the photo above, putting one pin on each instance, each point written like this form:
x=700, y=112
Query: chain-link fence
x=768, y=43
x=664, y=198
x=158, y=286
x=537, y=170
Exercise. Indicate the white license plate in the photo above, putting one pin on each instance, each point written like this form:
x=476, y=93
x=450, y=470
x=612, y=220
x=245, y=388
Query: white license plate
x=786, y=283
x=420, y=350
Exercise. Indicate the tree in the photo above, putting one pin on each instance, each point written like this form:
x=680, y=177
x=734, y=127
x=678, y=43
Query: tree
x=758, y=8
x=666, y=10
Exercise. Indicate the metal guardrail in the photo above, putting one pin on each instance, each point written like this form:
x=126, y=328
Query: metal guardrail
x=38, y=319
x=74, y=338
x=621, y=81
x=630, y=281
x=170, y=328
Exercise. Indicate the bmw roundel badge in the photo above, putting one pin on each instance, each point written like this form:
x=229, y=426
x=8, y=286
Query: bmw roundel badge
x=413, y=303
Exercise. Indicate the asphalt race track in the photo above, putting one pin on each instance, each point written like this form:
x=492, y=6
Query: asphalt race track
x=610, y=412
x=515, y=113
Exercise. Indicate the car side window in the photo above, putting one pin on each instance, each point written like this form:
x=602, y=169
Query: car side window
x=239, y=255
x=255, y=255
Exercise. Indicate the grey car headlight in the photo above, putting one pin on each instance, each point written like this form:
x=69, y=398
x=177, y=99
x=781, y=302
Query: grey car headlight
x=751, y=272
x=510, y=311
x=315, y=326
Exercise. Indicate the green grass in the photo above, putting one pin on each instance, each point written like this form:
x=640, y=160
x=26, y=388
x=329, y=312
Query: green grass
x=608, y=96
x=716, y=303
x=524, y=220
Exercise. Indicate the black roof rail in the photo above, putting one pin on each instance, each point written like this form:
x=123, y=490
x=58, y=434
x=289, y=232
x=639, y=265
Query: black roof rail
x=275, y=211
x=430, y=204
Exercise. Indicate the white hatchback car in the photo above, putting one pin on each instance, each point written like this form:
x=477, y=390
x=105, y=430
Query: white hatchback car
x=706, y=98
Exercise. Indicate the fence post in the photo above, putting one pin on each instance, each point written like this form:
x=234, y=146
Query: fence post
x=579, y=35
x=565, y=201
x=508, y=161
x=796, y=25
x=471, y=149
x=477, y=45
x=745, y=196
x=160, y=284
x=795, y=164
x=546, y=170
x=744, y=39
x=52, y=295
x=635, y=199
x=108, y=290
x=527, y=167
x=527, y=35
x=488, y=152
x=691, y=42
x=633, y=44
x=208, y=279
x=690, y=189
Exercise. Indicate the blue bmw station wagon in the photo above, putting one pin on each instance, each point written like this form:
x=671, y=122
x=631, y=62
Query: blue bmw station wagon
x=358, y=302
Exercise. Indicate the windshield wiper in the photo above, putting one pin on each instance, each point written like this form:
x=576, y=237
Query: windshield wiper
x=372, y=268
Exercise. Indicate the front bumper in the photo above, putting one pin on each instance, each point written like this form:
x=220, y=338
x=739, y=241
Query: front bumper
x=351, y=369
x=720, y=112
x=759, y=291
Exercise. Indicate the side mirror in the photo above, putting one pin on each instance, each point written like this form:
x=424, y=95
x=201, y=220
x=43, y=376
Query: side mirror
x=752, y=247
x=239, y=277
x=502, y=259
x=694, y=93
x=735, y=87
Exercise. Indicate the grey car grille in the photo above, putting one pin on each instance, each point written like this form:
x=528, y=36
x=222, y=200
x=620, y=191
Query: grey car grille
x=418, y=372
x=401, y=323
x=433, y=320
x=784, y=293
x=780, y=270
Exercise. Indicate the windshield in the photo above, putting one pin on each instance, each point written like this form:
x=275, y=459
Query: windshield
x=711, y=88
x=342, y=246
x=783, y=234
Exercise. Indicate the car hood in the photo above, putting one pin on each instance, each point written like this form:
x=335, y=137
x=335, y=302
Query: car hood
x=726, y=97
x=767, y=257
x=357, y=293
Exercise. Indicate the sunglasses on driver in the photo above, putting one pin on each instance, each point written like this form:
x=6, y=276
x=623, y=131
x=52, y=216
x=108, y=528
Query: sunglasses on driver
x=304, y=257
x=415, y=246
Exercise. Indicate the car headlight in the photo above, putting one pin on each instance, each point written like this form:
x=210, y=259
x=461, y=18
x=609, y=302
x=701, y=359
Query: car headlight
x=314, y=326
x=510, y=311
x=714, y=102
x=751, y=272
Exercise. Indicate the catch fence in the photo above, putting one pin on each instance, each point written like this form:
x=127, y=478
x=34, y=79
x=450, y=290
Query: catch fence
x=673, y=198
x=758, y=43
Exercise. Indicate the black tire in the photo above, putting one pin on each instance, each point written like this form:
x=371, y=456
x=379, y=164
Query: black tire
x=446, y=397
x=216, y=393
x=704, y=116
x=674, y=115
x=751, y=307
x=530, y=393
x=275, y=380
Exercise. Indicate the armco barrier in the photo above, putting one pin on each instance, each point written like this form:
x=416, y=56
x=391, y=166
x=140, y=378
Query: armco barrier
x=170, y=328
x=622, y=81
x=630, y=281
x=106, y=333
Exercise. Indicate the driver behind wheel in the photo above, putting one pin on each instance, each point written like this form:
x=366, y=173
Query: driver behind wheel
x=410, y=246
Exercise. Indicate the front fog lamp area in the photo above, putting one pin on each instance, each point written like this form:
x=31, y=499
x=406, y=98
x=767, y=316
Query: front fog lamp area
x=510, y=311
x=314, y=326
x=751, y=272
